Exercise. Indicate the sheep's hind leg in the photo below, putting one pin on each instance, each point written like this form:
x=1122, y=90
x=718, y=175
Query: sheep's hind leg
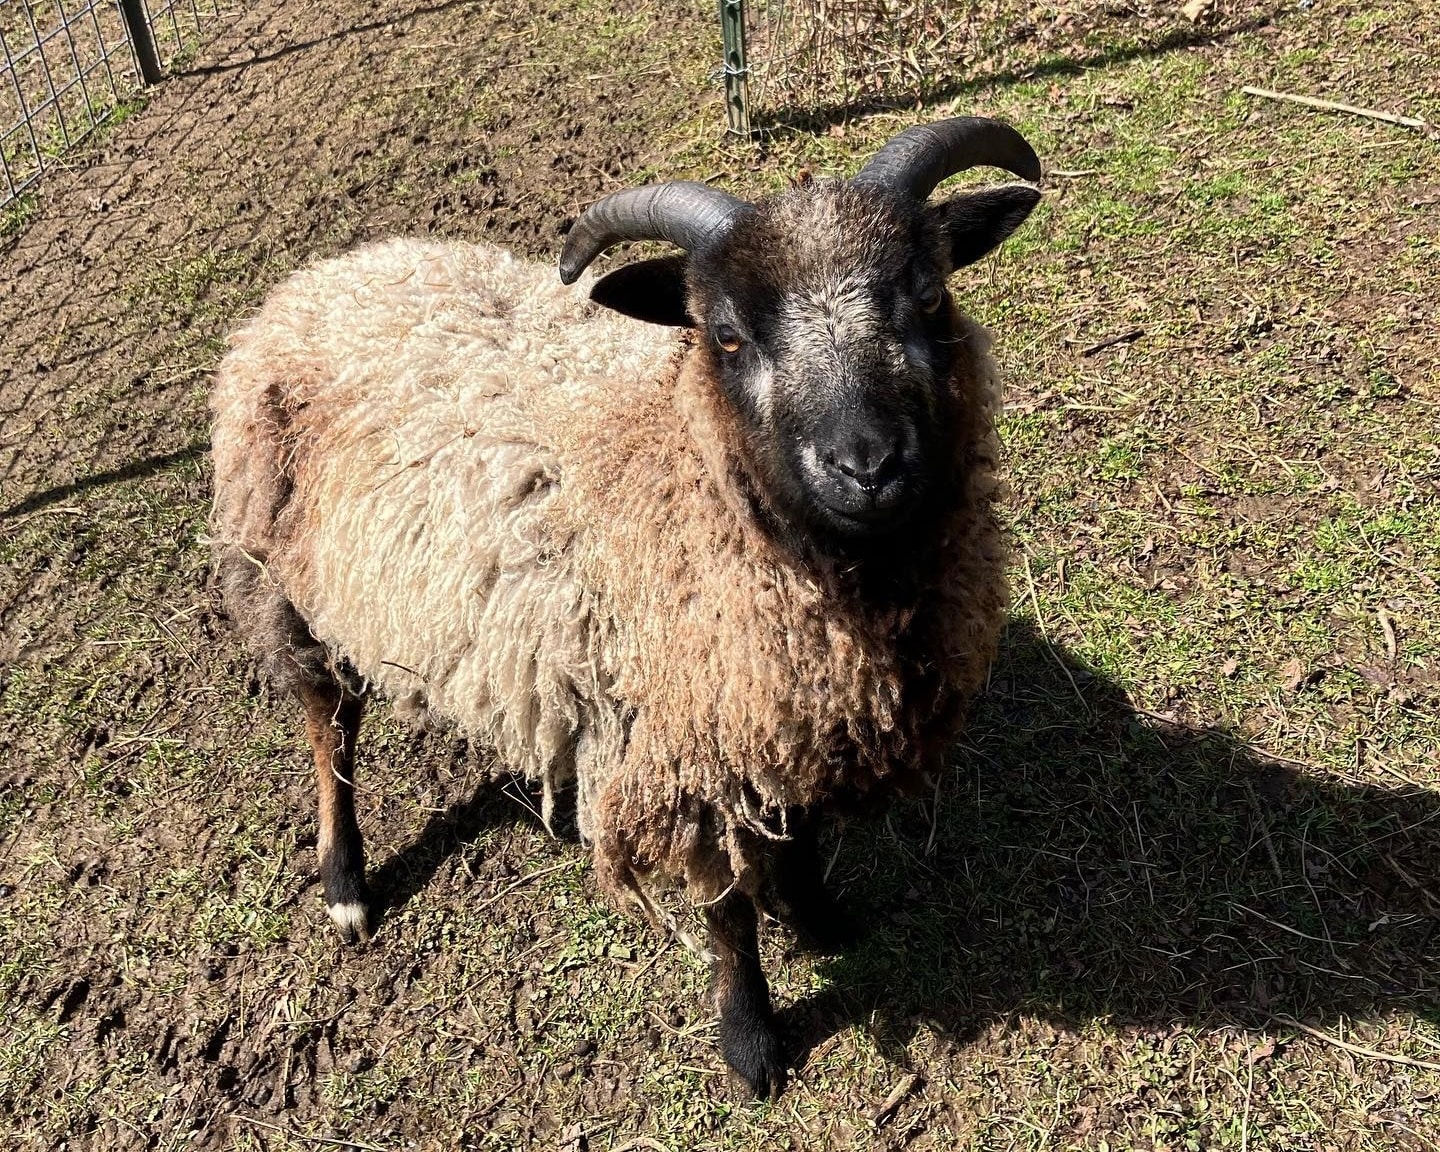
x=332, y=722
x=748, y=1039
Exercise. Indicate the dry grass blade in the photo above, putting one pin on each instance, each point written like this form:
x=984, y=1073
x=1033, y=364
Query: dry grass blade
x=329, y=1141
x=892, y=1101
x=641, y=1142
x=1388, y=628
x=1358, y=1049
x=1286, y=927
x=527, y=879
x=1336, y=106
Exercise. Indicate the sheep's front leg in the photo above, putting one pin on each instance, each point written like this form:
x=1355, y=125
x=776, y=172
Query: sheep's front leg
x=797, y=880
x=332, y=722
x=748, y=1039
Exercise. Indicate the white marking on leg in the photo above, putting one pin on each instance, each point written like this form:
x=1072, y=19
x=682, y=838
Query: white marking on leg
x=353, y=919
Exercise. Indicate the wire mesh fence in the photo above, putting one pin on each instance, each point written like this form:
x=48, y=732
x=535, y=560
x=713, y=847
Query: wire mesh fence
x=808, y=53
x=68, y=65
x=813, y=62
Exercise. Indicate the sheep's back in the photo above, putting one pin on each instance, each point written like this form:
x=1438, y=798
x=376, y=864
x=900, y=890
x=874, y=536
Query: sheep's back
x=381, y=452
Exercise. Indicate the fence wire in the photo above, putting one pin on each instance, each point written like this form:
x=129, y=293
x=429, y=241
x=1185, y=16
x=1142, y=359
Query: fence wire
x=67, y=66
x=815, y=62
x=812, y=52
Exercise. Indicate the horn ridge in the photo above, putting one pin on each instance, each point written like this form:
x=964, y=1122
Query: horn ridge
x=682, y=212
x=918, y=159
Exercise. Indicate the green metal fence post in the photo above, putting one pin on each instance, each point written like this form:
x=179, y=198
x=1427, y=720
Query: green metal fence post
x=732, y=28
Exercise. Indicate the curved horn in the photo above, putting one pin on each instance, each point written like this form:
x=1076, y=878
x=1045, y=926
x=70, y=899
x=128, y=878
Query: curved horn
x=919, y=158
x=684, y=213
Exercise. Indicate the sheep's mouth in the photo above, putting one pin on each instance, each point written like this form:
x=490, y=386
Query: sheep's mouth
x=867, y=515
x=871, y=506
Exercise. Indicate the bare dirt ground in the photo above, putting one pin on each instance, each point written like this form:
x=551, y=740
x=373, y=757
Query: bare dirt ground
x=1180, y=892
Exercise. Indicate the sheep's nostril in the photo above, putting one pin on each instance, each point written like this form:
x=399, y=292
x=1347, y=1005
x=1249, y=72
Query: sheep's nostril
x=863, y=463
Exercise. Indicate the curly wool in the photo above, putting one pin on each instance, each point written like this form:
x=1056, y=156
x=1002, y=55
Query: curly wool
x=526, y=517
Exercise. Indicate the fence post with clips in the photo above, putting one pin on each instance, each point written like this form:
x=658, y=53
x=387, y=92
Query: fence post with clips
x=732, y=29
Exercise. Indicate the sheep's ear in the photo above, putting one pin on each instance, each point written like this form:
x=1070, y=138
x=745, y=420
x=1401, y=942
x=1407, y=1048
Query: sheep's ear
x=979, y=222
x=649, y=290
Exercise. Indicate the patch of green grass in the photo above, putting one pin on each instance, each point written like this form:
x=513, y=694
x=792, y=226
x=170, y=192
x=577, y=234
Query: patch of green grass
x=179, y=291
x=18, y=213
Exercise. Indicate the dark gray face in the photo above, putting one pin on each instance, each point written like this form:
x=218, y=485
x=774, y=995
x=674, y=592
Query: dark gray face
x=825, y=314
x=826, y=317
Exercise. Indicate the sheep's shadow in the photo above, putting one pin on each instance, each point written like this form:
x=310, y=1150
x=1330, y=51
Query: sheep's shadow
x=405, y=874
x=1091, y=861
x=494, y=802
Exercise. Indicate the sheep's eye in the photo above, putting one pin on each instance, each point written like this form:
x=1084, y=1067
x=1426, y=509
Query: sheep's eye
x=728, y=339
x=930, y=298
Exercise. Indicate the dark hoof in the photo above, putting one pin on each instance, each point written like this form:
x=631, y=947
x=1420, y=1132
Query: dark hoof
x=754, y=1052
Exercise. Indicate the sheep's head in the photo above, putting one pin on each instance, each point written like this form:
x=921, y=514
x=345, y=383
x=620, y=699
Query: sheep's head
x=825, y=312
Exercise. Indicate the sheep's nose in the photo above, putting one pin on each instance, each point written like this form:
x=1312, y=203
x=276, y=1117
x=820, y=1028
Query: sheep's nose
x=864, y=463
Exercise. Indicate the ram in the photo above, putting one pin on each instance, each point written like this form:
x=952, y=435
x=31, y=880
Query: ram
x=719, y=552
